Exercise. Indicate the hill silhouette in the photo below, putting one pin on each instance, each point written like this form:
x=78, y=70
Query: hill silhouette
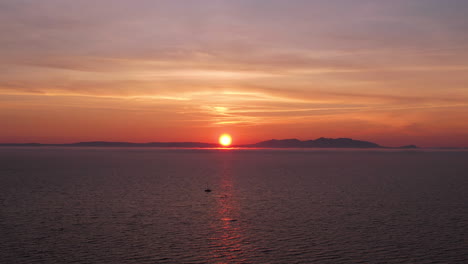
x=273, y=143
x=150, y=144
x=317, y=143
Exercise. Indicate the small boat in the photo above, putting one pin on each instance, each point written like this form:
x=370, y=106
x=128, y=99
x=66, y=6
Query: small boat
x=207, y=190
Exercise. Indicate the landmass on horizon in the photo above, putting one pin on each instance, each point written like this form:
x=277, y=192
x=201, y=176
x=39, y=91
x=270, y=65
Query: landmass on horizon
x=273, y=143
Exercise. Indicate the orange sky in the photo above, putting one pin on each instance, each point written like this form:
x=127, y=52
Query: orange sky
x=392, y=73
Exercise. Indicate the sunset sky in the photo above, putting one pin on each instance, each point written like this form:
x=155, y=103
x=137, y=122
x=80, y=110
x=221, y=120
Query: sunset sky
x=392, y=72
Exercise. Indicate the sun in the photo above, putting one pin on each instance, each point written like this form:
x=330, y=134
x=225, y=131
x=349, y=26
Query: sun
x=225, y=140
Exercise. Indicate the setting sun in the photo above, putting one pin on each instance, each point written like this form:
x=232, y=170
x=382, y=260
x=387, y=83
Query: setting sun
x=225, y=140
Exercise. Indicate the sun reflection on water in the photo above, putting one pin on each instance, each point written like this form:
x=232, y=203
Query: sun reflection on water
x=227, y=235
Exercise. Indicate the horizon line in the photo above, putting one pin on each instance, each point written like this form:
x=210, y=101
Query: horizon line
x=214, y=145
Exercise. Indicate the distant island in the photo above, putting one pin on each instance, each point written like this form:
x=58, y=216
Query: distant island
x=273, y=143
x=317, y=143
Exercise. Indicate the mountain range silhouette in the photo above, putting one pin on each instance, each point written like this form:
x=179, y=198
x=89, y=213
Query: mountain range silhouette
x=273, y=143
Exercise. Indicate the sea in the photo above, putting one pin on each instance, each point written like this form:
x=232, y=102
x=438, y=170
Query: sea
x=149, y=205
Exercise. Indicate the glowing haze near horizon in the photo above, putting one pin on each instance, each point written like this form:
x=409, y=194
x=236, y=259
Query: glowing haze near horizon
x=392, y=72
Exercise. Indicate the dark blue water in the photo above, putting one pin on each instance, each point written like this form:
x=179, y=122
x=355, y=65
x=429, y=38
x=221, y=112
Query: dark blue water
x=60, y=205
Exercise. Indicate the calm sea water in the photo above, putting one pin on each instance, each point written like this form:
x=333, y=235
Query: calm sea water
x=86, y=205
